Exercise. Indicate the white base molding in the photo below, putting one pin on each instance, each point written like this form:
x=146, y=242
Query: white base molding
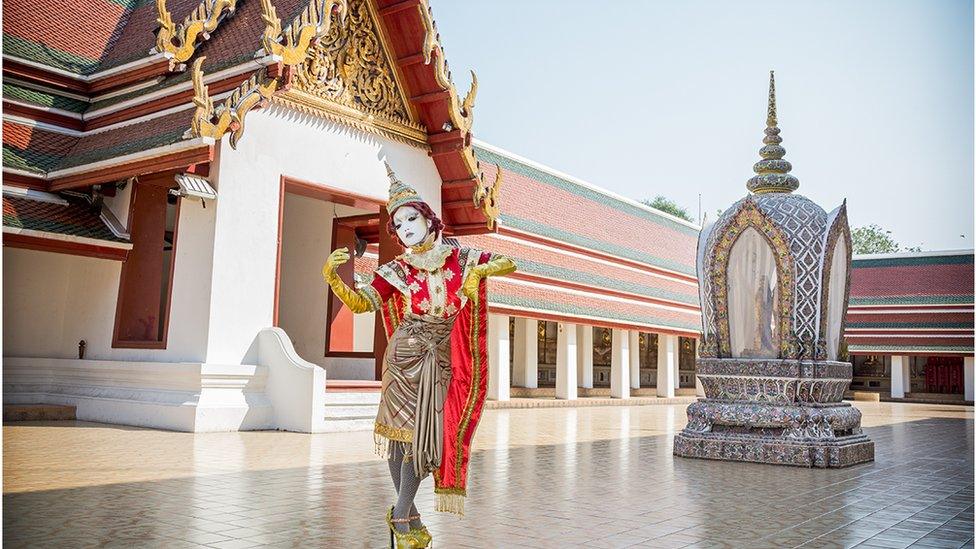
x=178, y=396
x=281, y=392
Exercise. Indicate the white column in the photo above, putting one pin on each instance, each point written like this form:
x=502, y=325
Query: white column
x=901, y=376
x=584, y=356
x=620, y=364
x=677, y=364
x=699, y=390
x=667, y=365
x=634, y=344
x=526, y=372
x=566, y=361
x=498, y=382
x=967, y=377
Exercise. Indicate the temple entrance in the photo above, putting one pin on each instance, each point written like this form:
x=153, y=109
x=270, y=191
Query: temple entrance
x=315, y=220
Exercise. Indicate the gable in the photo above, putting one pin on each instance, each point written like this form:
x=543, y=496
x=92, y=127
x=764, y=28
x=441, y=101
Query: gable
x=349, y=77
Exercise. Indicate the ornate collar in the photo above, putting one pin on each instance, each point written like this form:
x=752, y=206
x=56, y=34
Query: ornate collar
x=430, y=260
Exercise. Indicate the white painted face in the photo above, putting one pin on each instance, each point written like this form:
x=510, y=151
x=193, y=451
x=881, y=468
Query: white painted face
x=411, y=226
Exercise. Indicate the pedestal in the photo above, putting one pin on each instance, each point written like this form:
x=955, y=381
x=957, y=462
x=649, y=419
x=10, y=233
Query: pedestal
x=782, y=412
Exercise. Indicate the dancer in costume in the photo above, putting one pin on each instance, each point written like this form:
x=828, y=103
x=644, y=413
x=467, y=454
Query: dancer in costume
x=435, y=372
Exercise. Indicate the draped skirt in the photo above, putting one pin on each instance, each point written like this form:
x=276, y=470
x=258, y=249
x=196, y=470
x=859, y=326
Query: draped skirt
x=416, y=375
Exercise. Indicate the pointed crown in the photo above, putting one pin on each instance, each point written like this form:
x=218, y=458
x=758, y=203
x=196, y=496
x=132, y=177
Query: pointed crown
x=772, y=172
x=400, y=192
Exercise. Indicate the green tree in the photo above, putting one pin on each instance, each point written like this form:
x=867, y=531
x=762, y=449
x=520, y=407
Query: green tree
x=873, y=239
x=667, y=206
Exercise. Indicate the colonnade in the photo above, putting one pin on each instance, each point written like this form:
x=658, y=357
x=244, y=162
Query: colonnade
x=901, y=377
x=574, y=359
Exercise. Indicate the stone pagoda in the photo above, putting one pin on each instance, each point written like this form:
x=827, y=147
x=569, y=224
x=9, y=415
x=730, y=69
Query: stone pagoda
x=774, y=276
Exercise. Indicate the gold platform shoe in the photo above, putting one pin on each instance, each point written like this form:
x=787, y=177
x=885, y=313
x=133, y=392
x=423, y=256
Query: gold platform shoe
x=403, y=540
x=423, y=535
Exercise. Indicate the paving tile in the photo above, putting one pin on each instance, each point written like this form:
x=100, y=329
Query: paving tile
x=548, y=477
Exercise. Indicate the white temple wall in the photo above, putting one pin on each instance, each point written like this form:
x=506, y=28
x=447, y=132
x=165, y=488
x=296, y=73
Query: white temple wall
x=54, y=300
x=280, y=142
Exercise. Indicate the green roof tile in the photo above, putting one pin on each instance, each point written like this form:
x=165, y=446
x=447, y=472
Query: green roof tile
x=43, y=99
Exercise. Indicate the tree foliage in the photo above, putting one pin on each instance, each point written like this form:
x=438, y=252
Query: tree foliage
x=872, y=239
x=667, y=205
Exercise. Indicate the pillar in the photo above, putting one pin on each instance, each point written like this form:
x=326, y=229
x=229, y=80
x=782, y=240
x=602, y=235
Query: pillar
x=633, y=342
x=667, y=365
x=566, y=361
x=901, y=376
x=699, y=390
x=967, y=377
x=620, y=364
x=584, y=356
x=526, y=370
x=498, y=382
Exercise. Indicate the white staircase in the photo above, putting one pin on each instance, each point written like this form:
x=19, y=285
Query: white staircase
x=350, y=411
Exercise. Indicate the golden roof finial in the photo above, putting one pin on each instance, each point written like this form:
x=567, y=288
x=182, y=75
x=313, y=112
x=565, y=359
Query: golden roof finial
x=772, y=172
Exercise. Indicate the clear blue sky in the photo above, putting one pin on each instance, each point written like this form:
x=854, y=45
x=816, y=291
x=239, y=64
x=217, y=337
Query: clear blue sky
x=644, y=98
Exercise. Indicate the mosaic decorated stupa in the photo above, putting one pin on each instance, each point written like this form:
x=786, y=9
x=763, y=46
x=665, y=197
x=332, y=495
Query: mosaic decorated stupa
x=774, y=276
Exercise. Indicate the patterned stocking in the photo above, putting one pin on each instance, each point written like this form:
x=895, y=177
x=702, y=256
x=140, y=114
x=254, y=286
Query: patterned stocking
x=409, y=483
x=396, y=462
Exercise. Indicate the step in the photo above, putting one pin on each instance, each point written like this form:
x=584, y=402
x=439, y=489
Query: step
x=367, y=411
x=336, y=399
x=348, y=425
x=38, y=412
x=352, y=386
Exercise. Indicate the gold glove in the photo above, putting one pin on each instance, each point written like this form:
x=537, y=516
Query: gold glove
x=496, y=267
x=358, y=301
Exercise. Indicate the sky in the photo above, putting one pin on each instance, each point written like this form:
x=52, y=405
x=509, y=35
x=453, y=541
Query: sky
x=647, y=98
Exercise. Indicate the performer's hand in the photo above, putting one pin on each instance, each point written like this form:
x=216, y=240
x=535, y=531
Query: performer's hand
x=336, y=258
x=470, y=286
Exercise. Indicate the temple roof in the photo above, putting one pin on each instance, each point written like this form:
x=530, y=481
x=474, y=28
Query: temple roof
x=911, y=303
x=913, y=278
x=586, y=255
x=45, y=151
x=55, y=214
x=92, y=66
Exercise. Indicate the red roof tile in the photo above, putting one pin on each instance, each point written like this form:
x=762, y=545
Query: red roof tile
x=74, y=219
x=45, y=29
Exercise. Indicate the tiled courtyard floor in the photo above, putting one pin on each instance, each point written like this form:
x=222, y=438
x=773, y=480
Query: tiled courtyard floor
x=560, y=477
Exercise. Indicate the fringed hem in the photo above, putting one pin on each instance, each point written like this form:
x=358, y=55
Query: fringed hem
x=384, y=447
x=450, y=502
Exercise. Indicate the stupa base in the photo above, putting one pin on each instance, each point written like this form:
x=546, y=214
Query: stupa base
x=837, y=453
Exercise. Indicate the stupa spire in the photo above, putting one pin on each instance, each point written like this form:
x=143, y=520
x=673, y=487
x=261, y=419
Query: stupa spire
x=772, y=172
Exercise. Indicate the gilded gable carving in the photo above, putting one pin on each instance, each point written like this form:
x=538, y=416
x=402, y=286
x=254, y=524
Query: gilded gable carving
x=349, y=66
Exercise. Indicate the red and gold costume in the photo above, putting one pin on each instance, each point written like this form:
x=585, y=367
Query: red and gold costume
x=435, y=371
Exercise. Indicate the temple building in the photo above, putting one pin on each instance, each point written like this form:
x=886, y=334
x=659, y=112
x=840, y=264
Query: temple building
x=176, y=173
x=910, y=325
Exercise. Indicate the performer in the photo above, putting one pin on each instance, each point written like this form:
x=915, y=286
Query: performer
x=432, y=299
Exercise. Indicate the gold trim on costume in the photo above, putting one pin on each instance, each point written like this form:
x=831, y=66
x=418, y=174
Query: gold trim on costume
x=398, y=434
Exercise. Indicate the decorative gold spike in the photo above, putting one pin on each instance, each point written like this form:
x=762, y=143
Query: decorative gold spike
x=292, y=44
x=461, y=112
x=178, y=42
x=771, y=107
x=467, y=106
x=486, y=198
x=215, y=122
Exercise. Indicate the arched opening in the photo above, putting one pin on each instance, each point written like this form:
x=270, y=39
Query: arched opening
x=836, y=287
x=753, y=298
